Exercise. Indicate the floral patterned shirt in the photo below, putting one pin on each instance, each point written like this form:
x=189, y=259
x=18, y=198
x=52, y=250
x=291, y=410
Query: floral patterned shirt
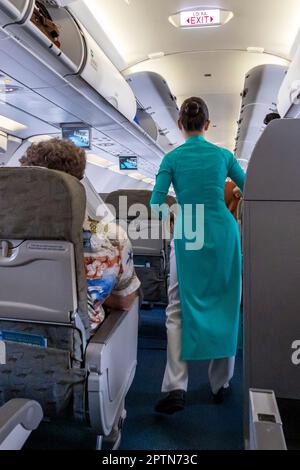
x=109, y=268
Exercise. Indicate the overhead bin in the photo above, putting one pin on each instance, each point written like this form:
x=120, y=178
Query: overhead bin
x=105, y=78
x=244, y=149
x=66, y=59
x=26, y=60
x=147, y=123
x=249, y=132
x=262, y=84
x=155, y=97
x=259, y=98
x=14, y=10
x=289, y=93
x=255, y=115
x=74, y=52
x=72, y=43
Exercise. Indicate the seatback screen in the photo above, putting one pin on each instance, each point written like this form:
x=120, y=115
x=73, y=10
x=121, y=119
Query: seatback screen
x=128, y=163
x=80, y=135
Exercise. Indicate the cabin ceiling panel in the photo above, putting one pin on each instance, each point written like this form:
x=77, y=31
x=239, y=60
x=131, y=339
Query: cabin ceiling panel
x=142, y=27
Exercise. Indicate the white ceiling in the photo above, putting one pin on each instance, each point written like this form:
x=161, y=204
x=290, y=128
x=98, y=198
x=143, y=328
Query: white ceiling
x=140, y=27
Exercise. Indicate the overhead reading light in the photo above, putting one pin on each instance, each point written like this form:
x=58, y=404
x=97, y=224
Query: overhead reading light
x=5, y=89
x=201, y=18
x=10, y=125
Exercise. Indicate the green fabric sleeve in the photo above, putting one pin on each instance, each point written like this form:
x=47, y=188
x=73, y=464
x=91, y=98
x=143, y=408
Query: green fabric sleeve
x=161, y=189
x=235, y=172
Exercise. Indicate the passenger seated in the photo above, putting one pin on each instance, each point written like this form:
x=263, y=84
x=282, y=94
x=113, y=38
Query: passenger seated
x=108, y=256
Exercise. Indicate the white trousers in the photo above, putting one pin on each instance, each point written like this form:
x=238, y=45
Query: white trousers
x=220, y=371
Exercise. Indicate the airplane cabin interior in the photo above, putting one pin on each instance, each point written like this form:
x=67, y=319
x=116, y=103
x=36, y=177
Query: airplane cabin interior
x=111, y=78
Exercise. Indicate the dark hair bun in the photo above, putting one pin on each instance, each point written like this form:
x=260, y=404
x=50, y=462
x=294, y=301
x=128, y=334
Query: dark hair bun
x=192, y=109
x=193, y=114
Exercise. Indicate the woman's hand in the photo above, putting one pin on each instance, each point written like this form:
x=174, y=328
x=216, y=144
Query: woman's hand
x=237, y=193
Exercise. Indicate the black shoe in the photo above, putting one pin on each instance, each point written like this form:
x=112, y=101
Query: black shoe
x=220, y=396
x=172, y=403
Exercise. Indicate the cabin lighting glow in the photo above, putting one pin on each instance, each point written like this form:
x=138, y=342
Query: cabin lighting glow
x=10, y=125
x=136, y=176
x=155, y=55
x=256, y=50
x=149, y=181
x=98, y=161
x=116, y=169
x=41, y=138
x=201, y=18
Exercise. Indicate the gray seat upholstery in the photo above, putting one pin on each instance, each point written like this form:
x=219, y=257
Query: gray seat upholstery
x=39, y=204
x=134, y=196
x=49, y=354
x=150, y=240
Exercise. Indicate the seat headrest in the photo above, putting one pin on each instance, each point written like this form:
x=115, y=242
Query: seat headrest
x=36, y=203
x=41, y=204
x=134, y=196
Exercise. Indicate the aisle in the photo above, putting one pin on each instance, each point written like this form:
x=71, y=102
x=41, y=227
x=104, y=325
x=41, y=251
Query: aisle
x=202, y=425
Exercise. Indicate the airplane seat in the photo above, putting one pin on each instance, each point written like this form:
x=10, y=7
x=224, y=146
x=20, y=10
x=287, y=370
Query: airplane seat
x=150, y=240
x=271, y=234
x=18, y=418
x=48, y=353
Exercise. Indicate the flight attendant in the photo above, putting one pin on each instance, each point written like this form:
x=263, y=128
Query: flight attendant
x=205, y=285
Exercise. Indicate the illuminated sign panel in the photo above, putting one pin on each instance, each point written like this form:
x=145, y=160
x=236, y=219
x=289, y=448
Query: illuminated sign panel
x=200, y=18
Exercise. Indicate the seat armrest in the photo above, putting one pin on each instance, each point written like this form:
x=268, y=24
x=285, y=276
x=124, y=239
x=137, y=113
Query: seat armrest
x=25, y=413
x=109, y=326
x=103, y=336
x=111, y=359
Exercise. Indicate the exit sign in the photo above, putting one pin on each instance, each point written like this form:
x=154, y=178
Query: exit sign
x=199, y=18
